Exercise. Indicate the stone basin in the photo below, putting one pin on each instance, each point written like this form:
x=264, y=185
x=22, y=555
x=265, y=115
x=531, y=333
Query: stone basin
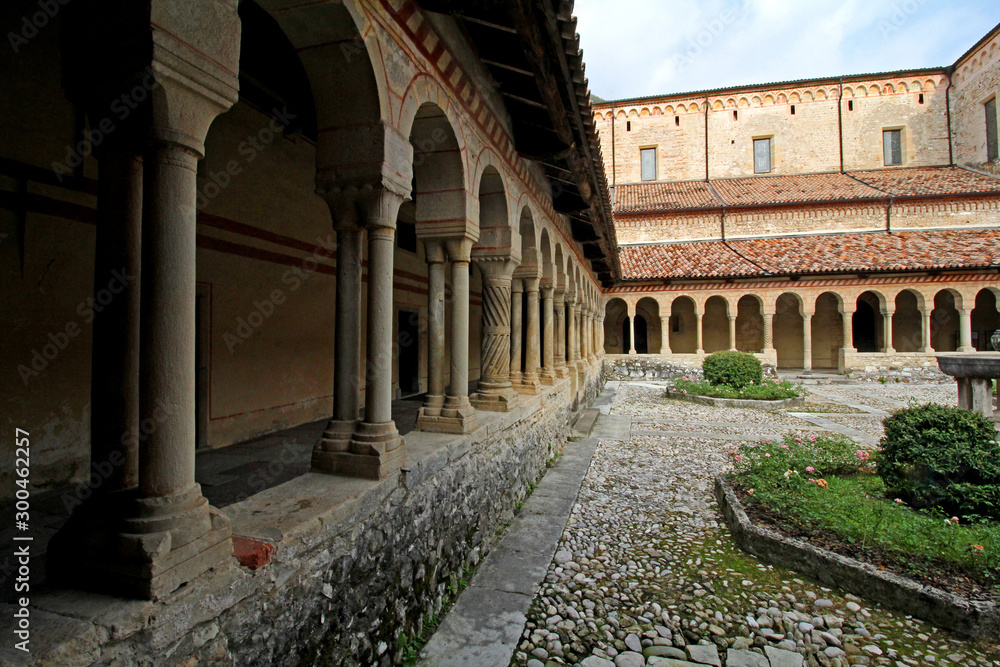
x=979, y=365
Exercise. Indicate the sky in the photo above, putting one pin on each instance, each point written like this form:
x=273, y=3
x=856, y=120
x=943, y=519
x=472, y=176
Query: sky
x=636, y=48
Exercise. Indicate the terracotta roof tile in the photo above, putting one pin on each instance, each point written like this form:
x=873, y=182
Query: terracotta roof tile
x=802, y=255
x=790, y=189
x=928, y=181
x=766, y=190
x=663, y=196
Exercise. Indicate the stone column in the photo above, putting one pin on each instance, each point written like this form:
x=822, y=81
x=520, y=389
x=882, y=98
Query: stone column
x=530, y=381
x=848, y=338
x=699, y=316
x=632, y=310
x=516, y=310
x=965, y=330
x=807, y=342
x=559, y=307
x=347, y=340
x=376, y=448
x=594, y=337
x=926, y=346
x=769, y=350
x=887, y=347
x=436, y=264
x=548, y=375
x=458, y=415
x=495, y=392
x=665, y=334
x=732, y=333
x=573, y=354
x=600, y=333
x=114, y=378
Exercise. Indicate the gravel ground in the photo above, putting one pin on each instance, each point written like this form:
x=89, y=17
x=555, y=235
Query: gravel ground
x=647, y=574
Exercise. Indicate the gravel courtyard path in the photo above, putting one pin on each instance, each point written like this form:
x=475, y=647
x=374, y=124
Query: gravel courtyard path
x=646, y=573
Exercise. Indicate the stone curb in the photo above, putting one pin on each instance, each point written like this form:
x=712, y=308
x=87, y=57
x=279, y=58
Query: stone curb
x=753, y=403
x=943, y=609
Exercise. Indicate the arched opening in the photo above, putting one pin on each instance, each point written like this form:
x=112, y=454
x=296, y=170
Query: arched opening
x=648, y=311
x=907, y=322
x=617, y=334
x=715, y=325
x=827, y=332
x=867, y=325
x=683, y=326
x=985, y=320
x=944, y=322
x=789, y=339
x=749, y=324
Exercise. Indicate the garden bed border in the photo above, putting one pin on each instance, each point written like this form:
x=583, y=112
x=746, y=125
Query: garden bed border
x=946, y=610
x=754, y=403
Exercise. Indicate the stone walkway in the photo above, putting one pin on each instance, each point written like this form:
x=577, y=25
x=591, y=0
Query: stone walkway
x=646, y=574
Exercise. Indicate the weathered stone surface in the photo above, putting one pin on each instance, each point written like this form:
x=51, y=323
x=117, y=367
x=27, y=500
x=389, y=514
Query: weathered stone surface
x=782, y=658
x=629, y=659
x=705, y=655
x=744, y=658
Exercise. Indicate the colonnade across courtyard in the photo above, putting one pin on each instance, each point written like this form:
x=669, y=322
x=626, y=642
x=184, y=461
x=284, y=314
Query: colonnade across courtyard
x=807, y=328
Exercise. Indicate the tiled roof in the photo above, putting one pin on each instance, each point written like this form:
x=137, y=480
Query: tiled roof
x=661, y=196
x=767, y=190
x=808, y=255
x=789, y=189
x=918, y=181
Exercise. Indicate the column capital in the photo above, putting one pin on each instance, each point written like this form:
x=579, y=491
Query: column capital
x=531, y=284
x=548, y=291
x=559, y=294
x=516, y=285
x=460, y=249
x=496, y=267
x=379, y=207
x=434, y=251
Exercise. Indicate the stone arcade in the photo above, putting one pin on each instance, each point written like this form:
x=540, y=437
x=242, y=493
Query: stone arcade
x=318, y=209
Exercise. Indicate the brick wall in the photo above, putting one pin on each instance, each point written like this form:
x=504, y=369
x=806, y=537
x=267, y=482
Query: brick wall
x=976, y=80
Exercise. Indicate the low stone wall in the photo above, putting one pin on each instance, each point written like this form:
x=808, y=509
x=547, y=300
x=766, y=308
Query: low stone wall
x=898, y=367
x=755, y=404
x=651, y=367
x=943, y=609
x=355, y=562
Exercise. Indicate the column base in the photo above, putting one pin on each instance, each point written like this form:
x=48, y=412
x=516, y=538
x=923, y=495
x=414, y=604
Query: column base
x=429, y=411
x=528, y=387
x=158, y=546
x=966, y=349
x=376, y=451
x=562, y=372
x=336, y=438
x=457, y=416
x=494, y=399
x=547, y=377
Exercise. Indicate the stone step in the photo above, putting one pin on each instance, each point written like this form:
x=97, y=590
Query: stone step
x=584, y=424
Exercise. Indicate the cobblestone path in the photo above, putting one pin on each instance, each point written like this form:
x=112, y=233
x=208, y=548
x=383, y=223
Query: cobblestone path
x=647, y=574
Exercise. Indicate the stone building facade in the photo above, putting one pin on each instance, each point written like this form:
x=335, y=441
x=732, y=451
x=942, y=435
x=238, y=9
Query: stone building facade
x=220, y=220
x=811, y=222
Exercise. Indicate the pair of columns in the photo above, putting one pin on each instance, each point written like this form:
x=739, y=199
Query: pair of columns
x=370, y=448
x=147, y=529
x=536, y=300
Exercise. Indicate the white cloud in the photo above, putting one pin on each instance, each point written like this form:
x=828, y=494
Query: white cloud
x=645, y=47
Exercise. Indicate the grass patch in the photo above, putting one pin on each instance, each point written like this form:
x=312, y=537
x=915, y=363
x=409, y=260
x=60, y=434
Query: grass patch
x=823, y=488
x=767, y=390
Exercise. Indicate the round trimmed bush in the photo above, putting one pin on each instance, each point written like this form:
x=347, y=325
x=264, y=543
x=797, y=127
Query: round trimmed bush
x=736, y=369
x=947, y=458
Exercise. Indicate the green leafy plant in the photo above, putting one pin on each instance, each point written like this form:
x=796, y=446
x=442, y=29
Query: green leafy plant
x=942, y=457
x=765, y=390
x=734, y=369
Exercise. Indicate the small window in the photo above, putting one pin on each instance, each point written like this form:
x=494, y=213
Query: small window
x=892, y=147
x=736, y=114
x=628, y=126
x=920, y=99
x=762, y=156
x=850, y=105
x=793, y=109
x=648, y=161
x=406, y=236
x=677, y=120
x=992, y=147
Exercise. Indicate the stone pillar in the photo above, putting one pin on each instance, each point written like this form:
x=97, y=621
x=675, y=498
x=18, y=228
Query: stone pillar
x=376, y=449
x=769, y=350
x=965, y=330
x=114, y=378
x=807, y=342
x=516, y=310
x=887, y=347
x=436, y=264
x=559, y=307
x=495, y=392
x=573, y=355
x=848, y=339
x=529, y=381
x=665, y=334
x=458, y=415
x=926, y=346
x=976, y=394
x=548, y=375
x=699, y=316
x=632, y=310
x=347, y=340
x=594, y=336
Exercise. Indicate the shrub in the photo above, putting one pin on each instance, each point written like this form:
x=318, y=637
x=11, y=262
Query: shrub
x=735, y=369
x=767, y=390
x=947, y=458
